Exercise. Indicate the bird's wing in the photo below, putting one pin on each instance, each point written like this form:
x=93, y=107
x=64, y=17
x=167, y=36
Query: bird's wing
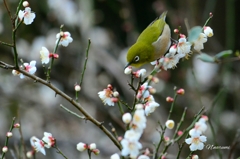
x=154, y=30
x=163, y=42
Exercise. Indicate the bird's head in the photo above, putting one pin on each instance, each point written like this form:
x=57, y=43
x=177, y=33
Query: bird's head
x=140, y=54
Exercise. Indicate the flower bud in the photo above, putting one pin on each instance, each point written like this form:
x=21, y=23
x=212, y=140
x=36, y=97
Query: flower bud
x=195, y=157
x=163, y=157
x=182, y=36
x=30, y=154
x=56, y=56
x=5, y=149
x=211, y=14
x=208, y=31
x=128, y=70
x=115, y=156
x=181, y=91
x=179, y=133
x=169, y=99
x=155, y=79
x=152, y=90
x=170, y=124
x=126, y=118
x=81, y=146
x=166, y=138
x=113, y=130
x=92, y=146
x=115, y=100
x=9, y=134
x=119, y=138
x=176, y=31
x=96, y=151
x=25, y=4
x=77, y=88
x=17, y=125
x=115, y=94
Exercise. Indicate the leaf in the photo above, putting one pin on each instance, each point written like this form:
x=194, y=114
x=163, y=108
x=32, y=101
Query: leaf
x=224, y=53
x=206, y=58
x=194, y=33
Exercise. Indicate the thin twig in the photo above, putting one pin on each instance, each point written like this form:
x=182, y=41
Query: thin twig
x=85, y=62
x=59, y=151
x=8, y=10
x=10, y=130
x=54, y=51
x=71, y=112
x=6, y=44
x=180, y=123
x=164, y=128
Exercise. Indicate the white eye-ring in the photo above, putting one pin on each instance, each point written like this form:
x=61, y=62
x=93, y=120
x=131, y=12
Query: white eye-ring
x=136, y=58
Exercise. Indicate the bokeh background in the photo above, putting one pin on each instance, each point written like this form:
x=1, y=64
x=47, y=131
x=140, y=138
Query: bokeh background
x=113, y=26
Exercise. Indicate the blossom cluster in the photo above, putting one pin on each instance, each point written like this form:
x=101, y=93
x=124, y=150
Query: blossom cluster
x=145, y=96
x=108, y=96
x=197, y=138
x=63, y=38
x=39, y=145
x=130, y=143
x=91, y=147
x=183, y=48
x=136, y=122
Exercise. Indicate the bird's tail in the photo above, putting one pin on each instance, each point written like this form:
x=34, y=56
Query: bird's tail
x=163, y=15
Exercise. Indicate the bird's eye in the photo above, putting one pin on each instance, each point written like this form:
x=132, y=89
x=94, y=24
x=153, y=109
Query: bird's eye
x=136, y=58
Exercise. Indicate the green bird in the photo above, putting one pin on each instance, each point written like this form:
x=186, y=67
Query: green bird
x=151, y=44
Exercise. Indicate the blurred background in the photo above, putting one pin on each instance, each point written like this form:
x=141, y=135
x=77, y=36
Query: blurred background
x=113, y=26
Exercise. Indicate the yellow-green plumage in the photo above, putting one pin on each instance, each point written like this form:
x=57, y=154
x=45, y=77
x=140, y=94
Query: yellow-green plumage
x=151, y=44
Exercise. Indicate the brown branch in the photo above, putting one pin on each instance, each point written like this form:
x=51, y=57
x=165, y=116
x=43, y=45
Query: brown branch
x=68, y=98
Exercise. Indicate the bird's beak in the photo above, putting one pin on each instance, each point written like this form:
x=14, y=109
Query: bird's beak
x=128, y=64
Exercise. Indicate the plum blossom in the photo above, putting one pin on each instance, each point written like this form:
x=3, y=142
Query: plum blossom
x=44, y=55
x=17, y=73
x=150, y=105
x=201, y=124
x=198, y=43
x=37, y=144
x=107, y=96
x=143, y=91
x=139, y=120
x=140, y=73
x=65, y=38
x=130, y=148
x=132, y=135
x=48, y=140
x=29, y=67
x=183, y=47
x=196, y=140
x=26, y=15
